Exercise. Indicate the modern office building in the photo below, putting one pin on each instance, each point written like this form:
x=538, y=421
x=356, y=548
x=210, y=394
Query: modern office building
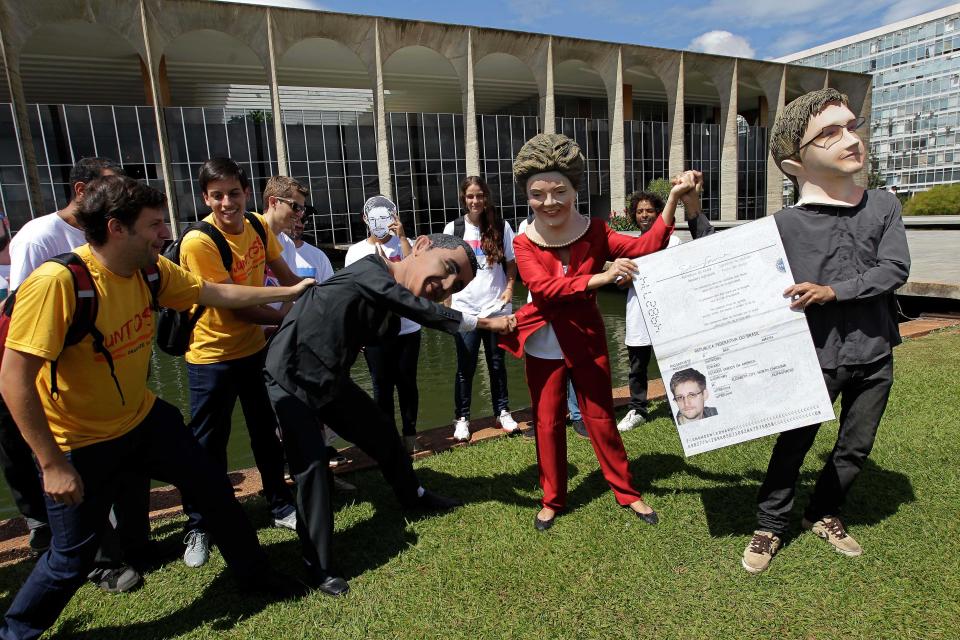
x=357, y=105
x=915, y=113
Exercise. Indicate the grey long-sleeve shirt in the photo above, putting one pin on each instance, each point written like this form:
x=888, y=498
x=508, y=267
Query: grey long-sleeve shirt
x=861, y=252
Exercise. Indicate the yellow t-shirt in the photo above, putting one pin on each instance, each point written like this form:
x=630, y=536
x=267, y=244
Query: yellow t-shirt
x=88, y=408
x=220, y=335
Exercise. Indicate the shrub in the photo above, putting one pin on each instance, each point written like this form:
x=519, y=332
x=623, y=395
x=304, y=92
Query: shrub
x=942, y=200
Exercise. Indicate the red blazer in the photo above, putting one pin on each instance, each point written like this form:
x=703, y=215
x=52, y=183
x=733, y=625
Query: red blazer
x=563, y=300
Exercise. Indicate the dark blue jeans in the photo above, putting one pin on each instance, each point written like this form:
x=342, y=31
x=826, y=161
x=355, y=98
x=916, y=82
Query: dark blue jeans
x=468, y=351
x=863, y=391
x=160, y=447
x=393, y=365
x=214, y=389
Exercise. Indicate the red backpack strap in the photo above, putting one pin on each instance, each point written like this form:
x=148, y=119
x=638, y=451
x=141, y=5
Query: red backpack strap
x=84, y=318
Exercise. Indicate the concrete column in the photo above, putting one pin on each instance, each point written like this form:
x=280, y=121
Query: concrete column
x=21, y=123
x=161, y=78
x=471, y=146
x=547, y=110
x=380, y=117
x=675, y=120
x=727, y=84
x=618, y=165
x=774, y=175
x=157, y=102
x=280, y=139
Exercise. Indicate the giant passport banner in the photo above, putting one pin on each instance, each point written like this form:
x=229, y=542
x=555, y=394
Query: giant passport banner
x=736, y=361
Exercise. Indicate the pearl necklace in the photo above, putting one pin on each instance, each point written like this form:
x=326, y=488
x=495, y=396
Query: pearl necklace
x=559, y=245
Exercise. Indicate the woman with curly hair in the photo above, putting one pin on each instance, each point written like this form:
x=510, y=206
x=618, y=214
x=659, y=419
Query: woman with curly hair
x=560, y=333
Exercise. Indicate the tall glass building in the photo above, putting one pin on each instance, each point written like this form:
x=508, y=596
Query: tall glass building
x=915, y=65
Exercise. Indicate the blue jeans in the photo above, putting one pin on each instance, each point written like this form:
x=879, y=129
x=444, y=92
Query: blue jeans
x=468, y=351
x=214, y=389
x=572, y=407
x=160, y=447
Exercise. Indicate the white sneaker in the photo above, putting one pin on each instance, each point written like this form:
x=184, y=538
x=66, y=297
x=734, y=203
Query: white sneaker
x=507, y=422
x=630, y=421
x=461, y=430
x=198, y=548
x=288, y=522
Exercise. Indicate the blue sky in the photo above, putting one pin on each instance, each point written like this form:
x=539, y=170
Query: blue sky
x=748, y=28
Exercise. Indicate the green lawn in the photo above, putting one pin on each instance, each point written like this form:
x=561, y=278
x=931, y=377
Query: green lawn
x=483, y=572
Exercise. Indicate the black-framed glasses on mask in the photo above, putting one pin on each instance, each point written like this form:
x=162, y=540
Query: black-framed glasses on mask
x=832, y=134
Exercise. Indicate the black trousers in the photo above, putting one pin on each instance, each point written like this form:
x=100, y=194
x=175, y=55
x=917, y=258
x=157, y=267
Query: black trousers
x=128, y=528
x=355, y=417
x=863, y=392
x=20, y=471
x=393, y=364
x=639, y=363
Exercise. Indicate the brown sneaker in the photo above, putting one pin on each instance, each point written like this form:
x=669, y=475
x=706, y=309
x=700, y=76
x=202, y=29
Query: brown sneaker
x=761, y=549
x=831, y=529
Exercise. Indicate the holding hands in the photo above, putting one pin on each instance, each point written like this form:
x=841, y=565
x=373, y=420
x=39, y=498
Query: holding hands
x=499, y=324
x=687, y=187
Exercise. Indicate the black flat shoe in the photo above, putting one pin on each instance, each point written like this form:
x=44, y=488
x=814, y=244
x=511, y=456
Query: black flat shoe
x=650, y=518
x=542, y=525
x=330, y=585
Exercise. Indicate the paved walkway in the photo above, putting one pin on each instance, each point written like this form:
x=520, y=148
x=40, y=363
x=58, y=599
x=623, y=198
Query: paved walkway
x=165, y=501
x=935, y=268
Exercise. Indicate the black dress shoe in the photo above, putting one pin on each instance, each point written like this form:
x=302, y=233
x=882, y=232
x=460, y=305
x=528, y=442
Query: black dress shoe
x=542, y=525
x=328, y=584
x=650, y=518
x=431, y=501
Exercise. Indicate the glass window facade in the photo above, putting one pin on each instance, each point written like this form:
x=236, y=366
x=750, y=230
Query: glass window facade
x=915, y=110
x=334, y=154
x=751, y=172
x=593, y=136
x=500, y=138
x=428, y=165
x=13, y=187
x=702, y=153
x=647, y=145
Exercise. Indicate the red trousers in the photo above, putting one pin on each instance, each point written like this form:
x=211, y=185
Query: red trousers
x=547, y=380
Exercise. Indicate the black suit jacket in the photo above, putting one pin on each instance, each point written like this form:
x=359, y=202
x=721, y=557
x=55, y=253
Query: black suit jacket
x=311, y=353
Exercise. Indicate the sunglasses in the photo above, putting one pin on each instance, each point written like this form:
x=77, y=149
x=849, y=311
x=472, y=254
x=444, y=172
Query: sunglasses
x=296, y=206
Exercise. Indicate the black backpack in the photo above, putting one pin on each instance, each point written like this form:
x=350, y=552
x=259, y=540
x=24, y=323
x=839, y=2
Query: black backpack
x=174, y=328
x=84, y=318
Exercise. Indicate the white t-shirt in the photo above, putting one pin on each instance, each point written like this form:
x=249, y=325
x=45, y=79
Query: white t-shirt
x=543, y=342
x=289, y=255
x=39, y=240
x=393, y=253
x=479, y=298
x=312, y=263
x=636, y=334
